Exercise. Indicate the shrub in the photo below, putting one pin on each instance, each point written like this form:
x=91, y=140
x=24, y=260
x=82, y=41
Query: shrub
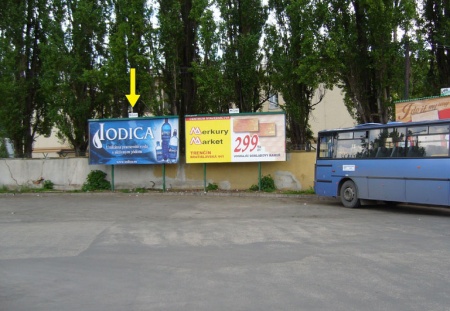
x=211, y=187
x=96, y=180
x=3, y=150
x=140, y=190
x=267, y=184
x=48, y=185
x=4, y=189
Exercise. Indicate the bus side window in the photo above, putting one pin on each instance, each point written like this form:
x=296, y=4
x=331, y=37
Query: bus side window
x=373, y=142
x=342, y=149
x=398, y=152
x=398, y=136
x=415, y=152
x=383, y=152
x=433, y=145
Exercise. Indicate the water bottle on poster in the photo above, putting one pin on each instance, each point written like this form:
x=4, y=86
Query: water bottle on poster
x=173, y=147
x=166, y=131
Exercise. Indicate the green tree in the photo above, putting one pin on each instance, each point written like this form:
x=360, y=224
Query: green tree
x=131, y=39
x=3, y=148
x=369, y=60
x=177, y=43
x=242, y=29
x=296, y=62
x=23, y=108
x=77, y=52
x=437, y=27
x=212, y=94
x=169, y=45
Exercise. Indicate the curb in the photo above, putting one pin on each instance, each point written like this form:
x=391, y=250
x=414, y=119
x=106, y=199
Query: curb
x=176, y=193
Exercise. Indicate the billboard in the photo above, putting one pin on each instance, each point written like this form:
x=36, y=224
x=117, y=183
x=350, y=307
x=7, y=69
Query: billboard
x=434, y=108
x=256, y=137
x=134, y=141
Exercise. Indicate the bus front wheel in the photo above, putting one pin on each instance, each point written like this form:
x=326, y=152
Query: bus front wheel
x=349, y=195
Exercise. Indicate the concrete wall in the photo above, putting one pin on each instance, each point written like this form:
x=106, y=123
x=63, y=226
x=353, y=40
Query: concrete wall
x=330, y=113
x=297, y=173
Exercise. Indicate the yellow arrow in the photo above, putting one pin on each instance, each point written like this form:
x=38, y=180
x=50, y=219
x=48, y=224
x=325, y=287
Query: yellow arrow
x=132, y=97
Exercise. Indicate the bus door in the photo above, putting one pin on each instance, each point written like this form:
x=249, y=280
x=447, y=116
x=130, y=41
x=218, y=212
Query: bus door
x=323, y=183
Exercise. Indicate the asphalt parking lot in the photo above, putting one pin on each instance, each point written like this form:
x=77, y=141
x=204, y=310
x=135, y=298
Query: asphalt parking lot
x=116, y=251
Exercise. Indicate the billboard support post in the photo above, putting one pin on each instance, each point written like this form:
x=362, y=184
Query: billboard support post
x=164, y=176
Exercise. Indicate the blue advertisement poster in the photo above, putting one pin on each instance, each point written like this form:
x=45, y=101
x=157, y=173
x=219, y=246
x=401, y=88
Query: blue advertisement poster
x=134, y=141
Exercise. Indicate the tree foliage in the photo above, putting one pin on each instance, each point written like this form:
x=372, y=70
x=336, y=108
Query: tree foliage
x=63, y=62
x=437, y=29
x=296, y=62
x=76, y=53
x=131, y=45
x=23, y=109
x=369, y=59
x=212, y=93
x=242, y=29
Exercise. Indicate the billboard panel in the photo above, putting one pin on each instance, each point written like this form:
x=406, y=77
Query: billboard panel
x=423, y=109
x=445, y=91
x=134, y=141
x=258, y=137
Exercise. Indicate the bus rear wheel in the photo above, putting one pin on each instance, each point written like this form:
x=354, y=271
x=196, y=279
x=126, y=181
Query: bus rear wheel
x=349, y=195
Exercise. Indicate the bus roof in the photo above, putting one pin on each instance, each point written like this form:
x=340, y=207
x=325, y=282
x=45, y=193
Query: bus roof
x=367, y=126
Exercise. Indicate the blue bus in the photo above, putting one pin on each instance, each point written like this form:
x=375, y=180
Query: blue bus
x=394, y=162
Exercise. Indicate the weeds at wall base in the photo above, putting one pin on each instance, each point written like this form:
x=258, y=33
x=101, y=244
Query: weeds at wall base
x=211, y=187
